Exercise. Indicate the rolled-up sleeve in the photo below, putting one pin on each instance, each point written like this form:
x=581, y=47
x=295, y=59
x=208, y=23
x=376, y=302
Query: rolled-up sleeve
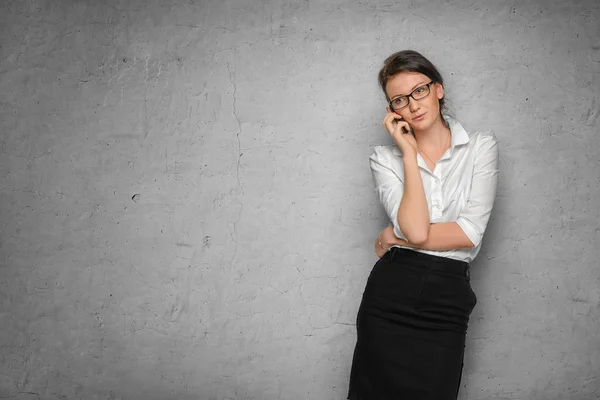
x=473, y=218
x=389, y=186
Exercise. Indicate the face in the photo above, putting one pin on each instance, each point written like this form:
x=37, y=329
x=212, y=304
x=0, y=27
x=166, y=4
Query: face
x=420, y=114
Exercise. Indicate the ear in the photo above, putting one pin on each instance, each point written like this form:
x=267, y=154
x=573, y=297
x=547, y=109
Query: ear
x=439, y=91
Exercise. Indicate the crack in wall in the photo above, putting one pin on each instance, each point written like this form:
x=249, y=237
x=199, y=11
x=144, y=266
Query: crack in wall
x=239, y=131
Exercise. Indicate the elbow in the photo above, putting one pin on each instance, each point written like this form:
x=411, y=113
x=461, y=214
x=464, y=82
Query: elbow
x=418, y=237
x=415, y=233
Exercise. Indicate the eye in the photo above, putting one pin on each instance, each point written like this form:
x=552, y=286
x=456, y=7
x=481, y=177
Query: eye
x=398, y=101
x=420, y=90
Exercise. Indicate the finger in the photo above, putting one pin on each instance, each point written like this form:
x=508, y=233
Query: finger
x=389, y=110
x=397, y=116
x=386, y=119
x=393, y=115
x=392, y=129
x=389, y=123
x=399, y=126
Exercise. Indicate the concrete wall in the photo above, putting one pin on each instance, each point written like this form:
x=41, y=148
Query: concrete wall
x=187, y=210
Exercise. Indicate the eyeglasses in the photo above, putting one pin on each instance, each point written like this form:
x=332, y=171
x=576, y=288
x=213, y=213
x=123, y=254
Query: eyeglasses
x=419, y=93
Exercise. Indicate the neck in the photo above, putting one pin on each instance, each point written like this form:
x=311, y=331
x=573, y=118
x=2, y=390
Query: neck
x=434, y=138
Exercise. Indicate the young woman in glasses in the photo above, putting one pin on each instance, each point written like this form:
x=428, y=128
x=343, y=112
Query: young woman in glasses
x=437, y=184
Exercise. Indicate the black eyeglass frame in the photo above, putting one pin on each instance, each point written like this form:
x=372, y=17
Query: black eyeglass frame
x=411, y=95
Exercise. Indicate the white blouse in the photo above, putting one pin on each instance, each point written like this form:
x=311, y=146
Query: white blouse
x=460, y=189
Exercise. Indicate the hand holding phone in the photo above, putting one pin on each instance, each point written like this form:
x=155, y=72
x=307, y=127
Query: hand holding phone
x=401, y=131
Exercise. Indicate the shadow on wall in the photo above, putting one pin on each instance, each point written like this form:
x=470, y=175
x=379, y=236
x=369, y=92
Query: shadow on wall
x=481, y=283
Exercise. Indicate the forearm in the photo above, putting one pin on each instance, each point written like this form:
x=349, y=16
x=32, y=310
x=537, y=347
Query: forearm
x=413, y=212
x=442, y=236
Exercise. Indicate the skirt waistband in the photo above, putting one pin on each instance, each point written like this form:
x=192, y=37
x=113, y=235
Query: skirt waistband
x=430, y=261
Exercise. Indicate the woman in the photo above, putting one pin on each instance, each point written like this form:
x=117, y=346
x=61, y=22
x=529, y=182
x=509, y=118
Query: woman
x=437, y=185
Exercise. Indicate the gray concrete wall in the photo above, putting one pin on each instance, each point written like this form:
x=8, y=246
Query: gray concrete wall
x=187, y=210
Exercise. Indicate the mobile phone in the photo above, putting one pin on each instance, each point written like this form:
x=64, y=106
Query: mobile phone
x=404, y=130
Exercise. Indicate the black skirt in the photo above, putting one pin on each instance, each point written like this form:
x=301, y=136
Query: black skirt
x=411, y=328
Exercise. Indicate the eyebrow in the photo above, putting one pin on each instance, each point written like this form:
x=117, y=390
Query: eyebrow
x=404, y=95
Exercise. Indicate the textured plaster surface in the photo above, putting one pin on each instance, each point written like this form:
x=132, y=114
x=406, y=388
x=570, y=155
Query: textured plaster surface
x=187, y=210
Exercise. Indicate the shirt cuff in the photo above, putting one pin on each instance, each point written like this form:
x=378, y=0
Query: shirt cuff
x=469, y=230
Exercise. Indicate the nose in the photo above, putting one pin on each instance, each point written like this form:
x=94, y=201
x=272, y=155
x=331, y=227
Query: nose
x=413, y=105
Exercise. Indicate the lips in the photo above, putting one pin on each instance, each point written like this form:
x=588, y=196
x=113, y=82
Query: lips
x=419, y=117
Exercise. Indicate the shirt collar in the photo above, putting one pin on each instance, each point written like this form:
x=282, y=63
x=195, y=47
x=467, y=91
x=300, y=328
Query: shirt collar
x=459, y=135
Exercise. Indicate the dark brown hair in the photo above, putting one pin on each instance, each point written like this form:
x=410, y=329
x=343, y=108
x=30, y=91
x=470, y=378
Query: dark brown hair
x=409, y=60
